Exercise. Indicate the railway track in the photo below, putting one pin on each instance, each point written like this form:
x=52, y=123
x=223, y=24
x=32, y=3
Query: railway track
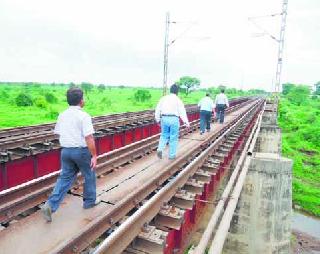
x=18, y=199
x=128, y=177
x=20, y=141
x=28, y=153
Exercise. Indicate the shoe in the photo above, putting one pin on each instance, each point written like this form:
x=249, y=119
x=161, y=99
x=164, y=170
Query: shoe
x=201, y=132
x=98, y=201
x=46, y=212
x=208, y=130
x=159, y=154
x=172, y=158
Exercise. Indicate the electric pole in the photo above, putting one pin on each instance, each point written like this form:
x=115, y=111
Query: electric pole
x=281, y=45
x=165, y=61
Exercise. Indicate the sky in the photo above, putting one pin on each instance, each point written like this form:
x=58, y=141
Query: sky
x=122, y=42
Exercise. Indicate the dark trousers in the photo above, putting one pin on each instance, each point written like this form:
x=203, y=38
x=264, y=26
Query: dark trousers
x=220, y=112
x=74, y=160
x=205, y=120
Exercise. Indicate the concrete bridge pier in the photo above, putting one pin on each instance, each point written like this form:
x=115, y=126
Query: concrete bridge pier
x=261, y=222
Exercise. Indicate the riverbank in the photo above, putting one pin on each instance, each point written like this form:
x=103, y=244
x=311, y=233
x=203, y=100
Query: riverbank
x=303, y=243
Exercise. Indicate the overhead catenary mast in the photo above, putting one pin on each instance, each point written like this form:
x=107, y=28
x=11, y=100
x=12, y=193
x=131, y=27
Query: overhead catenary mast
x=279, y=40
x=165, y=60
x=281, y=45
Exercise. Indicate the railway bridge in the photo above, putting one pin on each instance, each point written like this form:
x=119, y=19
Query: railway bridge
x=228, y=191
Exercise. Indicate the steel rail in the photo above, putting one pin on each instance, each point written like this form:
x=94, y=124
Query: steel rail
x=99, y=122
x=46, y=134
x=222, y=231
x=201, y=247
x=98, y=226
x=122, y=236
x=96, y=121
x=20, y=198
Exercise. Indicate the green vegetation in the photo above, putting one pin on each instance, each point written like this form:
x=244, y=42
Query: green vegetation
x=187, y=83
x=24, y=104
x=299, y=120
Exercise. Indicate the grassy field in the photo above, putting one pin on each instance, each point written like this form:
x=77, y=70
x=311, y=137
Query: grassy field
x=98, y=102
x=300, y=124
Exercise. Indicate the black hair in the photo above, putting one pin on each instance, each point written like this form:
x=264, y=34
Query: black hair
x=207, y=94
x=222, y=90
x=74, y=96
x=174, y=89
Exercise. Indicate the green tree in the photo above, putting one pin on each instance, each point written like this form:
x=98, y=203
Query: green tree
x=221, y=87
x=23, y=100
x=142, y=95
x=50, y=98
x=298, y=94
x=317, y=88
x=101, y=87
x=40, y=102
x=188, y=83
x=71, y=84
x=86, y=87
x=286, y=88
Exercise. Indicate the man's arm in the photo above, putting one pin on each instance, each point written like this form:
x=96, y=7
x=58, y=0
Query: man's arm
x=227, y=101
x=183, y=113
x=158, y=111
x=87, y=130
x=92, y=148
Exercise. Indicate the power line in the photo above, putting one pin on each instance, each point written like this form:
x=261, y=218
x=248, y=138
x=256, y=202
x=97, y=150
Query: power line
x=279, y=40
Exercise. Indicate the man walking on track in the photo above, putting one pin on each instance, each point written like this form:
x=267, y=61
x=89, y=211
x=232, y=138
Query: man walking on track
x=78, y=153
x=168, y=111
x=206, y=105
x=221, y=104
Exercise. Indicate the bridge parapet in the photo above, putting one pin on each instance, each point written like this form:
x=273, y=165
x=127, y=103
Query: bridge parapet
x=261, y=222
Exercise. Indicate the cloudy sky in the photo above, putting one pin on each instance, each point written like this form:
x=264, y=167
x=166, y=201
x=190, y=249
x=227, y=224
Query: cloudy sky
x=121, y=42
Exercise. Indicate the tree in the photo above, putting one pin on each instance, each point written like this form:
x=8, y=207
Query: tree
x=71, y=85
x=317, y=88
x=142, y=95
x=24, y=100
x=298, y=94
x=286, y=88
x=221, y=87
x=188, y=83
x=101, y=87
x=86, y=87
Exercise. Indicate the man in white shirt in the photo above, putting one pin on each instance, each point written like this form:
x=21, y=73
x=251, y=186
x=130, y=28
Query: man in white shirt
x=221, y=104
x=206, y=106
x=168, y=111
x=78, y=153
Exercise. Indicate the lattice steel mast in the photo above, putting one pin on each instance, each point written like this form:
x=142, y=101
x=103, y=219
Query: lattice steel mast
x=281, y=45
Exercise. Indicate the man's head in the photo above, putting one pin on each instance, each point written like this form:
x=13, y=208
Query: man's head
x=222, y=90
x=208, y=94
x=174, y=89
x=75, y=97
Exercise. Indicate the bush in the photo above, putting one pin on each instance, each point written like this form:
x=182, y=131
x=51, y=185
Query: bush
x=23, y=100
x=41, y=102
x=4, y=95
x=101, y=87
x=106, y=101
x=50, y=98
x=142, y=95
x=52, y=114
